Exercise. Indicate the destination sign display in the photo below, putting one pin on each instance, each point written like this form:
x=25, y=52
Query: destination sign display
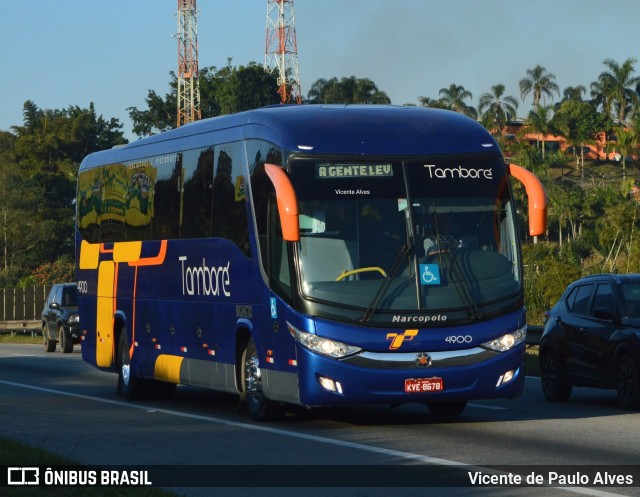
x=336, y=171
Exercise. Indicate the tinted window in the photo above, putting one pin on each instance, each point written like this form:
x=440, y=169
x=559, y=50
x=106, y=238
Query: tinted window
x=70, y=296
x=229, y=196
x=631, y=293
x=578, y=299
x=259, y=153
x=603, y=298
x=198, y=193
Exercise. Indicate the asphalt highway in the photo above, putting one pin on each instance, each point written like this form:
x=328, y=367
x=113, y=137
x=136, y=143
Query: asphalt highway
x=201, y=439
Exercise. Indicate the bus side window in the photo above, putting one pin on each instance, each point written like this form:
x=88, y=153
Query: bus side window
x=166, y=200
x=197, y=193
x=229, y=196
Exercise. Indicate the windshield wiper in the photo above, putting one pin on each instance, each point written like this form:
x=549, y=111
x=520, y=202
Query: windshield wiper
x=406, y=250
x=463, y=286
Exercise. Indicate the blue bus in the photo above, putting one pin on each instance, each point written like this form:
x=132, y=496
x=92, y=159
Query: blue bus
x=307, y=256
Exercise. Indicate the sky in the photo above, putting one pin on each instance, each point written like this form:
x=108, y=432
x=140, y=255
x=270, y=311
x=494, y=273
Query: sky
x=61, y=53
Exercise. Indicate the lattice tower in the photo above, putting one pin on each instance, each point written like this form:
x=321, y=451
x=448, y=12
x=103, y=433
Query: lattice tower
x=188, y=82
x=281, y=52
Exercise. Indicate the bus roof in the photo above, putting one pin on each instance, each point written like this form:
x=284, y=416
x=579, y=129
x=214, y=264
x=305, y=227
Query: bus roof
x=322, y=129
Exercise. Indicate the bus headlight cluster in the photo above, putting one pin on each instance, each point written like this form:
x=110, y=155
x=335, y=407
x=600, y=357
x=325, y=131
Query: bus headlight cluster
x=324, y=346
x=74, y=318
x=508, y=341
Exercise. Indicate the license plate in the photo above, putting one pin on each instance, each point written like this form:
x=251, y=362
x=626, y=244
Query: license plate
x=421, y=385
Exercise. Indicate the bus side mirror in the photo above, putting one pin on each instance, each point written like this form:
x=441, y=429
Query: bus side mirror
x=287, y=202
x=537, y=198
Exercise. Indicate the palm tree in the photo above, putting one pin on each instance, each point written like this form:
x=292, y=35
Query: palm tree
x=626, y=141
x=602, y=95
x=539, y=83
x=454, y=98
x=539, y=120
x=617, y=87
x=499, y=109
x=574, y=93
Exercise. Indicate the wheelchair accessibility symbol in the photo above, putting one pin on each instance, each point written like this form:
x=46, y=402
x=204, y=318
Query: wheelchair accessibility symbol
x=429, y=274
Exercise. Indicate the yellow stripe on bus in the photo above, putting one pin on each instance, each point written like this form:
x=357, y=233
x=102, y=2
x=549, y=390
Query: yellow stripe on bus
x=127, y=251
x=167, y=368
x=89, y=255
x=104, y=314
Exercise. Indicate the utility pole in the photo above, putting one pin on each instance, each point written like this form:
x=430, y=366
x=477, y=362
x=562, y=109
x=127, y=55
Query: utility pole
x=281, y=53
x=188, y=82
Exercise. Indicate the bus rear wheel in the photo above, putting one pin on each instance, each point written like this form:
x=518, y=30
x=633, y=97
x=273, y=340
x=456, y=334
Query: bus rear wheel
x=129, y=386
x=259, y=406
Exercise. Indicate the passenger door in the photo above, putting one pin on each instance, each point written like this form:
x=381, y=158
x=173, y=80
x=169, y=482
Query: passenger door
x=597, y=334
x=574, y=321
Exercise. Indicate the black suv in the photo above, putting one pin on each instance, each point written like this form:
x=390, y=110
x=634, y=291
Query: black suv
x=60, y=322
x=592, y=338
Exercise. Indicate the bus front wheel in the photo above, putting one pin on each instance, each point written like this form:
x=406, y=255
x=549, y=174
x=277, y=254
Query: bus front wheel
x=260, y=408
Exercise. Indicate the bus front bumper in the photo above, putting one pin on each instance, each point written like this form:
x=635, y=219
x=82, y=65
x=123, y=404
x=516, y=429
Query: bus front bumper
x=410, y=377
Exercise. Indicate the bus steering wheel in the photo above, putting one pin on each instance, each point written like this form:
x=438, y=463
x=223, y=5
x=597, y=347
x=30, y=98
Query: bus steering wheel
x=344, y=274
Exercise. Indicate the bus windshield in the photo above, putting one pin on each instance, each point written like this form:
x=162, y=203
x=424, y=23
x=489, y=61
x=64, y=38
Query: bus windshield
x=410, y=236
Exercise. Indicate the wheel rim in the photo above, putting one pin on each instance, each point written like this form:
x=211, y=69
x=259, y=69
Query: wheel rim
x=626, y=382
x=252, y=376
x=126, y=373
x=550, y=376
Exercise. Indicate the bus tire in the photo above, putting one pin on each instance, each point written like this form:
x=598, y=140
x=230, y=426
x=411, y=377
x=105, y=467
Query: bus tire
x=259, y=406
x=449, y=408
x=129, y=386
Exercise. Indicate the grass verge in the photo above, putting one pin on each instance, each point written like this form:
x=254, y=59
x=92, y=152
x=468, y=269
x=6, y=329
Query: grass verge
x=9, y=338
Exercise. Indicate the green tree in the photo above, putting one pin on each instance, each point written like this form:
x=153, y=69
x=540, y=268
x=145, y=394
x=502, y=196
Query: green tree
x=454, y=99
x=617, y=86
x=573, y=93
x=432, y=103
x=245, y=88
x=540, y=84
x=498, y=108
x=539, y=121
x=222, y=91
x=349, y=90
x=579, y=122
x=39, y=161
x=626, y=141
x=617, y=230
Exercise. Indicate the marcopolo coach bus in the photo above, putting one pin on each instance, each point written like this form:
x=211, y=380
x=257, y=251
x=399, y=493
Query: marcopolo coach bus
x=309, y=256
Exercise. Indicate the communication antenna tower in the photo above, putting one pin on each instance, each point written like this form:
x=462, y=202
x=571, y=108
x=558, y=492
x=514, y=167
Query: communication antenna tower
x=281, y=52
x=188, y=82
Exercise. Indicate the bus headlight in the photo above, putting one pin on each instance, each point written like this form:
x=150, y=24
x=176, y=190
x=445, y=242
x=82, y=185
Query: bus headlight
x=74, y=319
x=324, y=346
x=508, y=341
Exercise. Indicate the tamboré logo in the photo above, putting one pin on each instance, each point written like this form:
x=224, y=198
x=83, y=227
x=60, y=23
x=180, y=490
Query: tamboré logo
x=397, y=339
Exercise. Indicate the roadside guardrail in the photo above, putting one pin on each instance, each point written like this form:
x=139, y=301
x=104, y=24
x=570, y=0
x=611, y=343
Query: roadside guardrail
x=29, y=327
